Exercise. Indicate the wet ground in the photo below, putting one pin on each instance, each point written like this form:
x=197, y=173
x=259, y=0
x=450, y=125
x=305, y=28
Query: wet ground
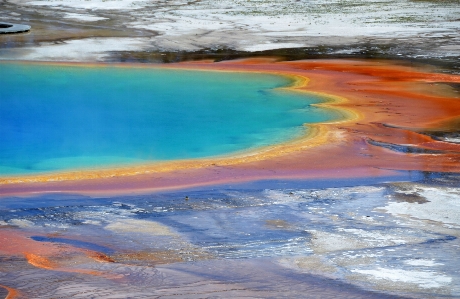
x=377, y=238
x=271, y=239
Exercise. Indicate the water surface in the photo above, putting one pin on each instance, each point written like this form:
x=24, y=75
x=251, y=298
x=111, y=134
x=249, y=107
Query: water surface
x=55, y=117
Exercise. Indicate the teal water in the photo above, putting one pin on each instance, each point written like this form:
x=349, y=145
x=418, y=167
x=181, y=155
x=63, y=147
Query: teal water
x=61, y=117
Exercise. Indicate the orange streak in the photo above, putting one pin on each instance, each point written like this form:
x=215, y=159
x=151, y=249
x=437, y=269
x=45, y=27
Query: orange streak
x=40, y=261
x=37, y=253
x=44, y=263
x=13, y=241
x=12, y=293
x=379, y=100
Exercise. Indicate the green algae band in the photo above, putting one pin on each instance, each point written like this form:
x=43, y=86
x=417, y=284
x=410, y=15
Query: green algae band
x=55, y=118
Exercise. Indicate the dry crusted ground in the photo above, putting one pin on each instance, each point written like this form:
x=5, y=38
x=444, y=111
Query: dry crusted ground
x=162, y=31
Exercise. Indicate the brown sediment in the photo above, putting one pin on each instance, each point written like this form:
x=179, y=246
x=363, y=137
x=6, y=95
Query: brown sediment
x=380, y=101
x=150, y=258
x=277, y=224
x=99, y=257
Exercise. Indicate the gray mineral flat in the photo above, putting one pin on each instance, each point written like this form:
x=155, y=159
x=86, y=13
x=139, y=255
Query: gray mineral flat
x=13, y=28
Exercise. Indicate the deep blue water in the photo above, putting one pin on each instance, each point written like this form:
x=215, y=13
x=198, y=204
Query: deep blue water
x=64, y=117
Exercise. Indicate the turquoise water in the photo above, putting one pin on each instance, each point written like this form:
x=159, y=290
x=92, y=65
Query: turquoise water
x=61, y=117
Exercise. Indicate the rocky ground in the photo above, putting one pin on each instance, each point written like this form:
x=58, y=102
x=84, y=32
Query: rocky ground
x=163, y=31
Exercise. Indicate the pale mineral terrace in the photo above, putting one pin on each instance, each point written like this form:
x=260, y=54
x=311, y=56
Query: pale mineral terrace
x=99, y=30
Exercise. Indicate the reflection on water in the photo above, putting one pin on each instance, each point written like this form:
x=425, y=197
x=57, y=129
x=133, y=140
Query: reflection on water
x=232, y=242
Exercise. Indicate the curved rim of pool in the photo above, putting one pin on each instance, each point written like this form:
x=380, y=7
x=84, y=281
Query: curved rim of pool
x=309, y=134
x=383, y=101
